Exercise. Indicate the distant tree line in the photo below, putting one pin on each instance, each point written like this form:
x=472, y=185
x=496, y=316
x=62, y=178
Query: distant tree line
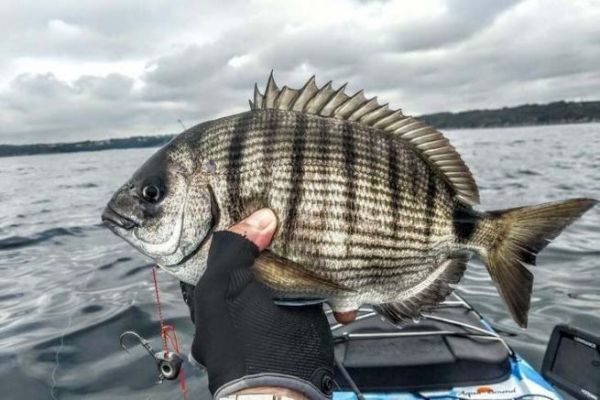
x=8, y=150
x=528, y=114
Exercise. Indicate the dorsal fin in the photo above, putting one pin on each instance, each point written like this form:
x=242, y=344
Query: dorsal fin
x=328, y=102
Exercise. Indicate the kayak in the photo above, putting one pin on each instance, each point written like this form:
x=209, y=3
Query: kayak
x=450, y=353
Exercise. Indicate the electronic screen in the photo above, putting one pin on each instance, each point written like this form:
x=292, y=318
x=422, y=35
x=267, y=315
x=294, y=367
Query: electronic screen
x=572, y=362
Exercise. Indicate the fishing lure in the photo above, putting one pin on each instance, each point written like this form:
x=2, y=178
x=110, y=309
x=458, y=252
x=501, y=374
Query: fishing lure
x=168, y=363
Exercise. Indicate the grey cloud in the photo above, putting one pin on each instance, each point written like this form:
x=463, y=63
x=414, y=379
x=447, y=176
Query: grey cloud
x=471, y=56
x=461, y=20
x=46, y=107
x=112, y=87
x=100, y=30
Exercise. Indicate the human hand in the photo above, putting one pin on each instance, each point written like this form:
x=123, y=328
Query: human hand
x=244, y=339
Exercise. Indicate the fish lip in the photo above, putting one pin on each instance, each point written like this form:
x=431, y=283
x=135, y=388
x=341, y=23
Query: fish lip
x=113, y=219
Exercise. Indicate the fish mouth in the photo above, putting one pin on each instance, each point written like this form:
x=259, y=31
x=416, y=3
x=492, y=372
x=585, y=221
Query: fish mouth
x=113, y=219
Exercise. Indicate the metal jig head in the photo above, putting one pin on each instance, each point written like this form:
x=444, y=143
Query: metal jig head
x=168, y=363
x=142, y=341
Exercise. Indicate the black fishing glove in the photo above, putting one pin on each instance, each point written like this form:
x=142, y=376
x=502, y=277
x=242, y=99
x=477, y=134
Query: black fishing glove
x=244, y=340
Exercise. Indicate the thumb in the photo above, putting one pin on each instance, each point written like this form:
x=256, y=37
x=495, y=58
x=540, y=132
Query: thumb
x=259, y=227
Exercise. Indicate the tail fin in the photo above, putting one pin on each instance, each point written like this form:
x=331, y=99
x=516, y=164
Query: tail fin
x=514, y=237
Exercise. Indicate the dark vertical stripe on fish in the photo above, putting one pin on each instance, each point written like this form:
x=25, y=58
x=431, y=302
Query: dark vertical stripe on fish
x=464, y=221
x=430, y=203
x=349, y=164
x=323, y=143
x=413, y=165
x=234, y=154
x=296, y=179
x=323, y=154
x=393, y=180
x=373, y=160
x=271, y=134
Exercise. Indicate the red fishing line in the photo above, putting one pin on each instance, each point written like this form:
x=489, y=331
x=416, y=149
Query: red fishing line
x=168, y=335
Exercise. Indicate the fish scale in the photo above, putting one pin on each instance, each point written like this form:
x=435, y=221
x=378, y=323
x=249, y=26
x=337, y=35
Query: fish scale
x=373, y=206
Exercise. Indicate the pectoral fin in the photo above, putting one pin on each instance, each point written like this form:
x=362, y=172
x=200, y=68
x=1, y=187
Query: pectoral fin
x=287, y=276
x=298, y=302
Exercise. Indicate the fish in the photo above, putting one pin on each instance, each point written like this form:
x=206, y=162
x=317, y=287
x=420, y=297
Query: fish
x=373, y=206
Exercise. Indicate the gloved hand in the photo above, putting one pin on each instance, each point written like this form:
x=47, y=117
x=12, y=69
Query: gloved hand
x=242, y=338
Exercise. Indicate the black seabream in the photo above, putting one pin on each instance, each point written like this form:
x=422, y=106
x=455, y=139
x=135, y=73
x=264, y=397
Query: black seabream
x=374, y=206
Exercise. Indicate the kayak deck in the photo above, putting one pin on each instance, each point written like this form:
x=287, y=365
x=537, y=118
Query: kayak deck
x=450, y=350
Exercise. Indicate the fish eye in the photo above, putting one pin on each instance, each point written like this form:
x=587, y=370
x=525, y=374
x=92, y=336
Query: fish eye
x=151, y=193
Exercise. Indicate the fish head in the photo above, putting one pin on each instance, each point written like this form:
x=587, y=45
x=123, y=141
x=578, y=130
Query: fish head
x=166, y=210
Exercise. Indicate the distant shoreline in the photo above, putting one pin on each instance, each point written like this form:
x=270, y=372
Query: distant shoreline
x=446, y=128
x=13, y=150
x=557, y=113
x=560, y=112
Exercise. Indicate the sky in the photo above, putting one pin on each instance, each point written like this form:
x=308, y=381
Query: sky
x=77, y=70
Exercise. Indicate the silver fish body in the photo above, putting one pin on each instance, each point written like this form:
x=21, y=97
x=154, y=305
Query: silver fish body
x=355, y=207
x=370, y=210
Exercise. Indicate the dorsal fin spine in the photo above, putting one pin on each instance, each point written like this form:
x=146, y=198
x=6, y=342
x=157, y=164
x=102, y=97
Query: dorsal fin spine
x=375, y=114
x=448, y=164
x=258, y=98
x=315, y=104
x=366, y=107
x=435, y=151
x=440, y=157
x=433, y=144
x=412, y=131
x=271, y=92
x=427, y=137
x=458, y=176
x=307, y=93
x=285, y=98
x=384, y=122
x=410, y=127
x=399, y=124
x=335, y=100
x=350, y=105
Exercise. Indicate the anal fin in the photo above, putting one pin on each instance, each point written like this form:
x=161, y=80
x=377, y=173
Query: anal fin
x=428, y=293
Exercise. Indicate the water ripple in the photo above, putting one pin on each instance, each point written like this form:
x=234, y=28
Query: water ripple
x=15, y=242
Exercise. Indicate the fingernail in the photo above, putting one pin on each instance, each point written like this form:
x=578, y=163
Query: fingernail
x=261, y=219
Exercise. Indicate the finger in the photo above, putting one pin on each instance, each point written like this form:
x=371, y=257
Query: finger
x=259, y=227
x=345, y=317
